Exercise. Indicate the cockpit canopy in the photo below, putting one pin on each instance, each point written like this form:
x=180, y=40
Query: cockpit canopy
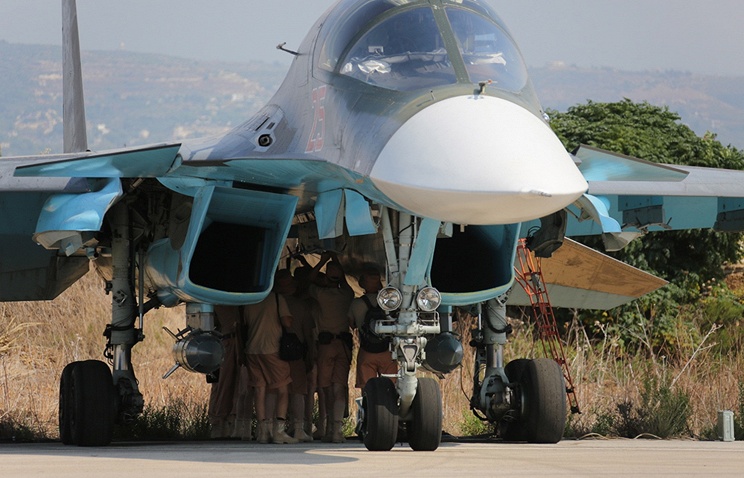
x=406, y=45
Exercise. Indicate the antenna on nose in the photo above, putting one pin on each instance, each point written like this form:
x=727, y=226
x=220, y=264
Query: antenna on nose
x=482, y=86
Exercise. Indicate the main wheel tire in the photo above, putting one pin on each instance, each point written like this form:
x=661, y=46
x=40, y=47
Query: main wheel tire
x=66, y=408
x=515, y=430
x=515, y=369
x=94, y=406
x=544, y=401
x=425, y=430
x=380, y=401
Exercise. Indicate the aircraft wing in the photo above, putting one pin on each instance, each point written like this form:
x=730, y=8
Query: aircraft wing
x=60, y=201
x=577, y=276
x=64, y=220
x=628, y=197
x=143, y=162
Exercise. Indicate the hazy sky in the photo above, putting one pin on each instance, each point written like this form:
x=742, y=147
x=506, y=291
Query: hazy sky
x=688, y=35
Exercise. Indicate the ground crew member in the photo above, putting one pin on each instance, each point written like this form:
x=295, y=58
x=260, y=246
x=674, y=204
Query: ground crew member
x=303, y=326
x=334, y=296
x=374, y=357
x=221, y=409
x=269, y=373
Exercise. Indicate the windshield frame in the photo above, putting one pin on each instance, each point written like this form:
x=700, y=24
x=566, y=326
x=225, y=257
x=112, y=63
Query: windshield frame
x=354, y=17
x=431, y=66
x=351, y=20
x=519, y=75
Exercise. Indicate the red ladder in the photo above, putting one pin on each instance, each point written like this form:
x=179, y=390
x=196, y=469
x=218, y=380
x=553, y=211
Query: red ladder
x=530, y=277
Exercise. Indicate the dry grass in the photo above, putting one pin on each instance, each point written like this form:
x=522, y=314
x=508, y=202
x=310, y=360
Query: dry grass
x=606, y=378
x=43, y=337
x=38, y=339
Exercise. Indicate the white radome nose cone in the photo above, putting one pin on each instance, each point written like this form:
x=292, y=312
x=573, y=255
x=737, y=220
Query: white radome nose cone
x=477, y=160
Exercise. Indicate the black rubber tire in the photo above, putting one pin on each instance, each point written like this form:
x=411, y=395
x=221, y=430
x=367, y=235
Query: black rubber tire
x=425, y=430
x=66, y=409
x=544, y=399
x=515, y=369
x=515, y=430
x=380, y=401
x=94, y=406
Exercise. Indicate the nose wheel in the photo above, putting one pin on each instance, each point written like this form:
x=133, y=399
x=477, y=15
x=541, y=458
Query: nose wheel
x=425, y=429
x=379, y=426
x=380, y=423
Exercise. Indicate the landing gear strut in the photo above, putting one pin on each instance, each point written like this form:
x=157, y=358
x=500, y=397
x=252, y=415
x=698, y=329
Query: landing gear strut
x=92, y=397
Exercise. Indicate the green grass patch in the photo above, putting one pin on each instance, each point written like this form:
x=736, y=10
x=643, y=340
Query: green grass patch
x=177, y=420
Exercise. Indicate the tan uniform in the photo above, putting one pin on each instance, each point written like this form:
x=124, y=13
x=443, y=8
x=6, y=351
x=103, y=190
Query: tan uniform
x=334, y=305
x=369, y=365
x=264, y=328
x=262, y=344
x=303, y=324
x=334, y=358
x=223, y=396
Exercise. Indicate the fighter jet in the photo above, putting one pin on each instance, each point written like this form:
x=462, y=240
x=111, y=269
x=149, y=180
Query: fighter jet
x=406, y=133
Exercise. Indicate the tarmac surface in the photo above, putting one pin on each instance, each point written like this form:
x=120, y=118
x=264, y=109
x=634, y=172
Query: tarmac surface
x=214, y=459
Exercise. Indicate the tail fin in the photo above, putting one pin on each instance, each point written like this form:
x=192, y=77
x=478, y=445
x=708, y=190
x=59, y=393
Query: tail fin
x=73, y=110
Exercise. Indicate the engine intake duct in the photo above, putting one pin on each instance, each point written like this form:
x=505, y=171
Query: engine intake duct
x=475, y=264
x=231, y=249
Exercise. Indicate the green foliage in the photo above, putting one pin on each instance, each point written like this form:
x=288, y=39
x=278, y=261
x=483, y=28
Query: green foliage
x=643, y=131
x=474, y=426
x=668, y=410
x=177, y=420
x=739, y=418
x=349, y=427
x=722, y=310
x=687, y=259
x=22, y=429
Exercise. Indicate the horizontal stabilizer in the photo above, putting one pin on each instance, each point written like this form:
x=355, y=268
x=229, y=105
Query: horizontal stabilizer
x=143, y=162
x=579, y=277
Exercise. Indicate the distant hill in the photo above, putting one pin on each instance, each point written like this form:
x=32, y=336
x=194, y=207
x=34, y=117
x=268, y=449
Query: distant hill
x=134, y=98
x=705, y=103
x=130, y=98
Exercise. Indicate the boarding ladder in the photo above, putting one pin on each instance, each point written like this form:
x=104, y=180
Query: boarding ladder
x=530, y=277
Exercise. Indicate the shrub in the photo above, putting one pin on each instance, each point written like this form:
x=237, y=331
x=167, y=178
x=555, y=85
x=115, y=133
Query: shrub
x=662, y=412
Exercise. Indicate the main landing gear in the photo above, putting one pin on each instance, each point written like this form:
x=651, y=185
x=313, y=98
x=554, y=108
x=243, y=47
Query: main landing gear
x=91, y=396
x=87, y=404
x=526, y=399
x=539, y=396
